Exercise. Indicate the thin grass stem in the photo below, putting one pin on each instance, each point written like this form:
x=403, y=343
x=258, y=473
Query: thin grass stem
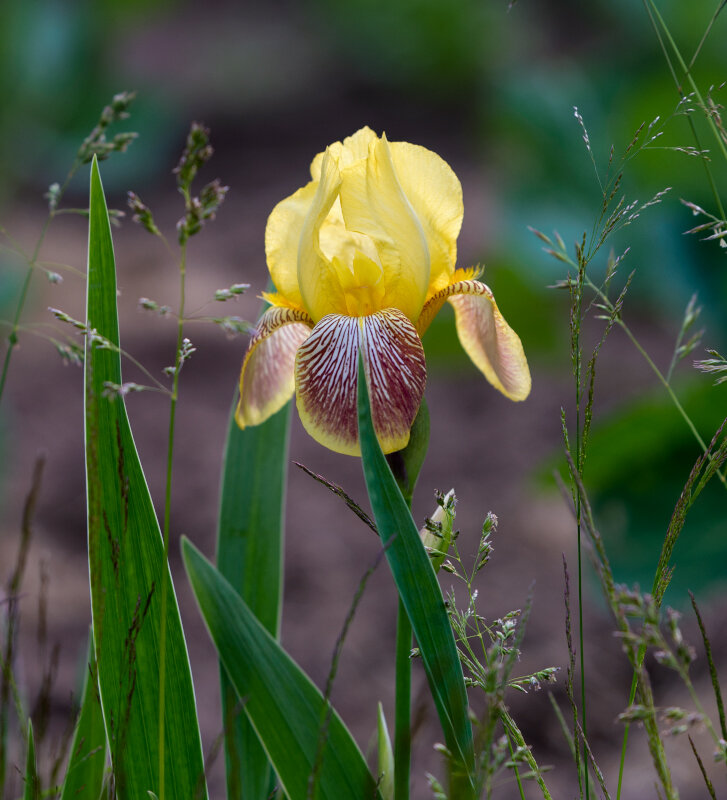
x=167, y=514
x=661, y=377
x=515, y=769
x=654, y=17
x=402, y=708
x=32, y=260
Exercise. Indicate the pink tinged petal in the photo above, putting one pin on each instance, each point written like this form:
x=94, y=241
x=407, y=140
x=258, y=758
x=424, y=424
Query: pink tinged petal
x=488, y=340
x=267, y=379
x=326, y=369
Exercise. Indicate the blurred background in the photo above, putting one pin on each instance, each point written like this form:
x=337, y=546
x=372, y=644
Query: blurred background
x=492, y=90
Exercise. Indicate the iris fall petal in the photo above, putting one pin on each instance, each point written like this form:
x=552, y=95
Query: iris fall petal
x=267, y=379
x=488, y=340
x=326, y=369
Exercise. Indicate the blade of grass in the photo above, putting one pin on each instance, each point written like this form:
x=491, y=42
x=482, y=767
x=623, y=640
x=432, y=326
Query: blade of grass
x=8, y=686
x=419, y=592
x=282, y=704
x=249, y=555
x=385, y=755
x=85, y=773
x=126, y=566
x=32, y=782
x=712, y=668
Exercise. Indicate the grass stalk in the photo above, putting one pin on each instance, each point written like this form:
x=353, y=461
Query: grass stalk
x=655, y=17
x=31, y=263
x=402, y=718
x=577, y=370
x=167, y=515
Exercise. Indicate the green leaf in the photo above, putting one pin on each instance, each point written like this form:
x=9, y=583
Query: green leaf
x=419, y=591
x=32, y=781
x=249, y=555
x=406, y=464
x=385, y=755
x=85, y=773
x=127, y=567
x=284, y=707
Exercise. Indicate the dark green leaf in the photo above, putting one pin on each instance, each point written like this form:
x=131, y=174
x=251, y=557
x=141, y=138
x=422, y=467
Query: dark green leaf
x=85, y=773
x=127, y=567
x=249, y=555
x=406, y=464
x=284, y=707
x=418, y=590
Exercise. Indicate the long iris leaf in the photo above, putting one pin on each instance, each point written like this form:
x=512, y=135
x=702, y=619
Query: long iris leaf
x=127, y=566
x=419, y=591
x=249, y=555
x=85, y=773
x=282, y=704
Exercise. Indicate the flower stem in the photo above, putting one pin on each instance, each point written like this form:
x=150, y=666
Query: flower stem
x=402, y=721
x=167, y=511
x=13, y=335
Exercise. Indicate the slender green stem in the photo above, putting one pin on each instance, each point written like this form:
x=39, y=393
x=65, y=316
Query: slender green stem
x=402, y=720
x=579, y=467
x=662, y=379
x=624, y=743
x=513, y=731
x=654, y=16
x=517, y=771
x=13, y=335
x=167, y=513
x=680, y=408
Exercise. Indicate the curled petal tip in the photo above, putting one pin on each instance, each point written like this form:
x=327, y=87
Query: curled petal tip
x=488, y=340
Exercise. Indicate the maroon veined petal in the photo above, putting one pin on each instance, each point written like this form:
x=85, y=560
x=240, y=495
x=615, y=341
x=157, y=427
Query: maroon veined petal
x=267, y=379
x=326, y=369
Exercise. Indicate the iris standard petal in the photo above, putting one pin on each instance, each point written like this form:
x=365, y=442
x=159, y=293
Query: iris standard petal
x=267, y=379
x=282, y=236
x=326, y=368
x=351, y=149
x=435, y=194
x=488, y=340
x=374, y=203
x=319, y=285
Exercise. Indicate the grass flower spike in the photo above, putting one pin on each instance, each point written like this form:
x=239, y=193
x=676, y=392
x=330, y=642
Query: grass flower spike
x=363, y=257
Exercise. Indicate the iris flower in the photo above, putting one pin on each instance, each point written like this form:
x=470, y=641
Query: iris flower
x=363, y=257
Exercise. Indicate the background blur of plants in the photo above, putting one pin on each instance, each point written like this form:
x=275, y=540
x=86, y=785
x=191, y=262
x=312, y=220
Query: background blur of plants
x=492, y=90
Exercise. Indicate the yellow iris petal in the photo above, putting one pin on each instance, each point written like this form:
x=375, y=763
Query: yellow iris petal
x=435, y=194
x=373, y=203
x=282, y=237
x=319, y=285
x=352, y=148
